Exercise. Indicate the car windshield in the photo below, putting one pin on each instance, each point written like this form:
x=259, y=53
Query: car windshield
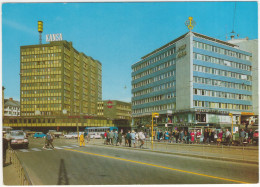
x=17, y=133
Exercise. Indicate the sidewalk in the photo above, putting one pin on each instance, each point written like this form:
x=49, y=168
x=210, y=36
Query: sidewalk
x=10, y=175
x=245, y=154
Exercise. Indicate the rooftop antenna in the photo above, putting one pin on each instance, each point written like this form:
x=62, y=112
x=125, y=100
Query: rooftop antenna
x=233, y=32
x=40, y=29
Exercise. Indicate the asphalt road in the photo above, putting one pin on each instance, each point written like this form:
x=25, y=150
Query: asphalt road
x=101, y=165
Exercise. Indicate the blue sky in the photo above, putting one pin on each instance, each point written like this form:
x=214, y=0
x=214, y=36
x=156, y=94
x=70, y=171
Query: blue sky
x=116, y=34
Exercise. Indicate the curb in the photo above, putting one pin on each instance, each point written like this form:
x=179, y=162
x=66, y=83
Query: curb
x=188, y=155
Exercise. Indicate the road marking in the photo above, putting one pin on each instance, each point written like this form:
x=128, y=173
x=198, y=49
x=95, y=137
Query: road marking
x=173, y=169
x=58, y=147
x=66, y=147
x=35, y=149
x=23, y=150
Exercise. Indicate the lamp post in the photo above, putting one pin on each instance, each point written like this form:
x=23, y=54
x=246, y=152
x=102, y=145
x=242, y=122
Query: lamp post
x=231, y=115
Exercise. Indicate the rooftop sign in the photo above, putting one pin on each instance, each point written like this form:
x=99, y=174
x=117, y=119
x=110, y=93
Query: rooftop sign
x=53, y=37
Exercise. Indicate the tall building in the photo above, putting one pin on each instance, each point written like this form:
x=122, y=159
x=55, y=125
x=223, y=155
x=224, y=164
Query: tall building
x=56, y=80
x=252, y=47
x=11, y=107
x=194, y=81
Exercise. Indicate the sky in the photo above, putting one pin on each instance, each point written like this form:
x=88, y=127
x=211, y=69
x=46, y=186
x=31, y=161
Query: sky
x=116, y=34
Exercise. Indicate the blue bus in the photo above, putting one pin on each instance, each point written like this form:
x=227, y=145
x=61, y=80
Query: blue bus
x=100, y=130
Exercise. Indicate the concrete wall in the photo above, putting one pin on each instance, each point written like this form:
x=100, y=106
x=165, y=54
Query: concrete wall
x=184, y=73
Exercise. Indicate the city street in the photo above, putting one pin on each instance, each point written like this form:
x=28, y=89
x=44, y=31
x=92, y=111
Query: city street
x=101, y=165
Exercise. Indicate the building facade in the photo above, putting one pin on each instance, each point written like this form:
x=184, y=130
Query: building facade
x=117, y=111
x=56, y=80
x=194, y=81
x=11, y=107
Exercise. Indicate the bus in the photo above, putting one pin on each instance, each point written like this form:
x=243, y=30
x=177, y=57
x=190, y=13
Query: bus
x=96, y=132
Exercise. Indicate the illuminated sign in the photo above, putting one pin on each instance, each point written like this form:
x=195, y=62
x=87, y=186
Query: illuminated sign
x=53, y=37
x=109, y=104
x=247, y=113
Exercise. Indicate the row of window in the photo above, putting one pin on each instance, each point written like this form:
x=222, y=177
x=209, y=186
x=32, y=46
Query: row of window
x=42, y=77
x=49, y=91
x=220, y=72
x=153, y=99
x=154, y=108
x=213, y=82
x=155, y=59
x=220, y=50
x=154, y=79
x=41, y=99
x=155, y=69
x=41, y=55
x=207, y=104
x=33, y=50
x=221, y=62
x=50, y=105
x=37, y=63
x=222, y=94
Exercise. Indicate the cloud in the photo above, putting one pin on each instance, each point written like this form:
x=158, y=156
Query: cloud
x=19, y=27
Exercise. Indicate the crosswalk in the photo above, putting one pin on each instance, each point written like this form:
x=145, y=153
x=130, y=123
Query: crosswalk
x=47, y=149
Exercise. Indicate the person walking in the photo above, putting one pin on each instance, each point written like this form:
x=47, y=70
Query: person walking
x=192, y=134
x=81, y=140
x=141, y=137
x=220, y=135
x=133, y=137
x=110, y=137
x=115, y=138
x=166, y=136
x=128, y=137
x=105, y=138
x=198, y=135
x=250, y=136
x=242, y=136
x=228, y=136
x=181, y=136
x=188, y=137
x=177, y=136
x=120, y=136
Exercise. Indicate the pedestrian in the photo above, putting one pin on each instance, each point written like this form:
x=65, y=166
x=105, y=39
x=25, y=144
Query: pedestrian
x=181, y=136
x=141, y=137
x=242, y=136
x=105, y=137
x=192, y=134
x=228, y=136
x=250, y=136
x=188, y=137
x=215, y=134
x=115, y=138
x=120, y=136
x=220, y=135
x=198, y=135
x=166, y=136
x=5, y=147
x=46, y=142
x=133, y=137
x=177, y=136
x=110, y=137
x=128, y=137
x=81, y=140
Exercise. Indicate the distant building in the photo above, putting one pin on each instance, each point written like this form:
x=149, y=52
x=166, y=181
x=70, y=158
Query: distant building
x=58, y=80
x=117, y=111
x=11, y=107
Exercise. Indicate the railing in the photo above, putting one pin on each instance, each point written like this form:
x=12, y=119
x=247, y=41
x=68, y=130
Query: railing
x=11, y=155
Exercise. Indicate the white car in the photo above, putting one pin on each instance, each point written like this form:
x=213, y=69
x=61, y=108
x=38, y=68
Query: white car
x=95, y=135
x=72, y=135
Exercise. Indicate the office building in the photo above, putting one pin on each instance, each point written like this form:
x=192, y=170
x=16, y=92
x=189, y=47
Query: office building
x=194, y=81
x=58, y=80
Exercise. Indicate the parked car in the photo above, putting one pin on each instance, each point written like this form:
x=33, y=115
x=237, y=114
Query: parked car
x=72, y=135
x=255, y=136
x=55, y=133
x=18, y=138
x=39, y=135
x=95, y=135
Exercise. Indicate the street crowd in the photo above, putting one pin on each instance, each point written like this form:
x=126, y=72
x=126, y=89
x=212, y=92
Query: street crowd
x=208, y=136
